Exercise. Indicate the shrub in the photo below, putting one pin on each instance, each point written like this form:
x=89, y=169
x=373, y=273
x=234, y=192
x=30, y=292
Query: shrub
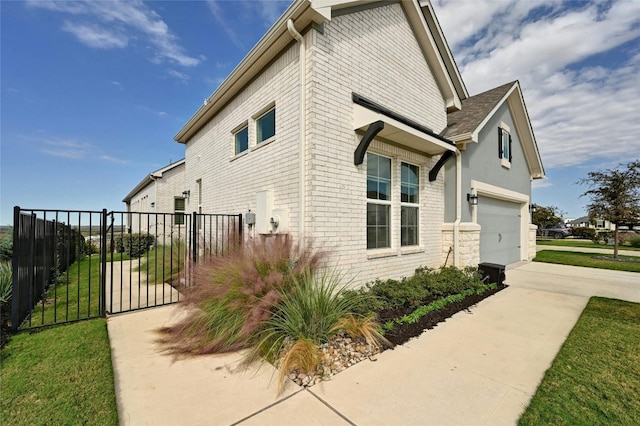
x=6, y=282
x=602, y=237
x=234, y=295
x=583, y=232
x=6, y=246
x=134, y=245
x=412, y=291
x=634, y=242
x=316, y=308
x=391, y=294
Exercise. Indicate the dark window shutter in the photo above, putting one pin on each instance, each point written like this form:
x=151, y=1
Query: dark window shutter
x=510, y=156
x=499, y=142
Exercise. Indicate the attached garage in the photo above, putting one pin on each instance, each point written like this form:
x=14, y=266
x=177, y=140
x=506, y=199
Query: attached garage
x=501, y=230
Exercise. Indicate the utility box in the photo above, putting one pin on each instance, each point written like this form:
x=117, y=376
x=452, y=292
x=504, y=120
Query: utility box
x=280, y=221
x=492, y=273
x=264, y=212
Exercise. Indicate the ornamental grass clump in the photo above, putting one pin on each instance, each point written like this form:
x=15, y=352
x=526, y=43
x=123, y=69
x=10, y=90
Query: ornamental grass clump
x=316, y=308
x=232, y=296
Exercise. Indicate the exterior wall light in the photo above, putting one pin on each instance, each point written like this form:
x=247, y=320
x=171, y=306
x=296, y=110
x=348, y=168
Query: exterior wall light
x=472, y=199
x=185, y=194
x=532, y=208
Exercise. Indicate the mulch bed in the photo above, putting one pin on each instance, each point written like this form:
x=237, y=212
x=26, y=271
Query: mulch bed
x=402, y=333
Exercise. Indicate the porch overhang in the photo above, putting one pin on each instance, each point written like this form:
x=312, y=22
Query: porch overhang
x=373, y=120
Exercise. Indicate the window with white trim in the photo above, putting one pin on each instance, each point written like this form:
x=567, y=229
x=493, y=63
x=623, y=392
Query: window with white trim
x=409, y=204
x=266, y=126
x=378, y=201
x=241, y=140
x=504, y=144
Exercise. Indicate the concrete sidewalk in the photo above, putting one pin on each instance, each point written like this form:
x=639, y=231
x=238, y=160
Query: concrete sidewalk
x=479, y=367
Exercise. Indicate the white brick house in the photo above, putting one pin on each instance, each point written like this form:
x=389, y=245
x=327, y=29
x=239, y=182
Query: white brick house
x=330, y=127
x=160, y=191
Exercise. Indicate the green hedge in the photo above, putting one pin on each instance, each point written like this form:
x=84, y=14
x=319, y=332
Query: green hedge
x=134, y=245
x=583, y=232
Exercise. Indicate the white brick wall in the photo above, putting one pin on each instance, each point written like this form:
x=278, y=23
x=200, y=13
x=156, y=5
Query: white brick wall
x=230, y=183
x=374, y=54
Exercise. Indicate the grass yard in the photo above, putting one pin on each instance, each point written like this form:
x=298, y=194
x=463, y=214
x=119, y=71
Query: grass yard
x=586, y=260
x=595, y=378
x=58, y=376
x=68, y=300
x=582, y=244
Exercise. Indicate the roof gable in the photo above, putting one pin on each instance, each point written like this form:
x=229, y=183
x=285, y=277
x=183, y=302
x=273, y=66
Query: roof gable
x=304, y=13
x=150, y=178
x=465, y=125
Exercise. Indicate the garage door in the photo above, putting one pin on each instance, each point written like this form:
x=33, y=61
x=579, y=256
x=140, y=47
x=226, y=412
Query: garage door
x=500, y=230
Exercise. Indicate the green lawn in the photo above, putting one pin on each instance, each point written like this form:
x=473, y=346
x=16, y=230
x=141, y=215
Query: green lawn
x=585, y=259
x=595, y=378
x=68, y=300
x=58, y=376
x=582, y=244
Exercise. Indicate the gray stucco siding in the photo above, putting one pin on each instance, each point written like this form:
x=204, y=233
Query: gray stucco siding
x=480, y=162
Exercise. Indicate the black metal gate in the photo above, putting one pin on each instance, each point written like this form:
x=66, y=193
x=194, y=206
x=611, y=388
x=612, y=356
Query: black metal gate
x=71, y=265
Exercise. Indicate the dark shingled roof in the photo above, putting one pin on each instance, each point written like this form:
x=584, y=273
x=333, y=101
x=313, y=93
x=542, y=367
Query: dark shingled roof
x=474, y=110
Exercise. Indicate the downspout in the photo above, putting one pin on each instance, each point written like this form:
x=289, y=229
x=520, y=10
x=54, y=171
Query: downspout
x=303, y=130
x=456, y=224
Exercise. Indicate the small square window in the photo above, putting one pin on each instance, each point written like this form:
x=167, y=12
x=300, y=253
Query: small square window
x=266, y=125
x=241, y=138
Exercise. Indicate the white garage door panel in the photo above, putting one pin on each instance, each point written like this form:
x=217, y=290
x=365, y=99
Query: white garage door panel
x=500, y=230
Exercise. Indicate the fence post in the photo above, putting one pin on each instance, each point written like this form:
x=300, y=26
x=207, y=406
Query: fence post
x=103, y=263
x=240, y=229
x=15, y=288
x=194, y=236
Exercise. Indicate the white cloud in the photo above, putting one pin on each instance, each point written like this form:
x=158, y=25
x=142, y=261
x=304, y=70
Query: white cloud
x=123, y=17
x=583, y=108
x=217, y=13
x=74, y=150
x=94, y=36
x=179, y=75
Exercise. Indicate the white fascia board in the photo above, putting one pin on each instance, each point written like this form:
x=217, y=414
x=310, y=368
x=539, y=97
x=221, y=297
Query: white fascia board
x=453, y=67
x=432, y=53
x=269, y=46
x=398, y=132
x=523, y=125
x=160, y=172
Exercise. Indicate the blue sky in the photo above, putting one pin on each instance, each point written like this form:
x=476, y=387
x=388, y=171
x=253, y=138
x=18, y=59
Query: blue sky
x=92, y=92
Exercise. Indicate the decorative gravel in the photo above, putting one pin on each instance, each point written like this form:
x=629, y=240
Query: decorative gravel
x=340, y=353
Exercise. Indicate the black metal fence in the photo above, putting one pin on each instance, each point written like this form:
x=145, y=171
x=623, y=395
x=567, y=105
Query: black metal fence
x=73, y=265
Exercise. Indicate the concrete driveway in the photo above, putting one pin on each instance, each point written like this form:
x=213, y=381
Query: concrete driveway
x=479, y=367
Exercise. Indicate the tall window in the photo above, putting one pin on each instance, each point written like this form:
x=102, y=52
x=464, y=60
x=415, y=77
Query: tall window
x=178, y=209
x=378, y=201
x=241, y=138
x=504, y=144
x=266, y=125
x=409, y=204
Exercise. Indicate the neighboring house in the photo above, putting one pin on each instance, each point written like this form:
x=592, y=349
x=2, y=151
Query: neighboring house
x=162, y=191
x=333, y=128
x=499, y=159
x=585, y=222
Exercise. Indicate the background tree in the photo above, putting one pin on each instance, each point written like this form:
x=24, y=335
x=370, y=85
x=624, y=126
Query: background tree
x=615, y=196
x=546, y=216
